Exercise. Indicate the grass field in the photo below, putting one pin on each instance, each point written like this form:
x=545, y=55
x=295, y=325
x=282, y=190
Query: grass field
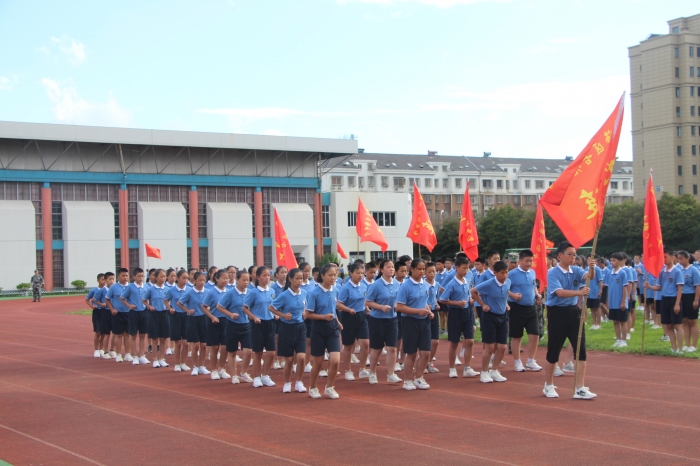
x=82, y=312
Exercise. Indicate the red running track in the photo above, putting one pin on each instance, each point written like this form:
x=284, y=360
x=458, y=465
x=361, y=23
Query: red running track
x=59, y=405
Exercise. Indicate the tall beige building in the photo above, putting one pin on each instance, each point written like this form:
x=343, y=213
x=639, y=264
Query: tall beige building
x=665, y=92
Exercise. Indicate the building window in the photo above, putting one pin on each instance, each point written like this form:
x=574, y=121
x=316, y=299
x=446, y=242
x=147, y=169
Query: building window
x=399, y=182
x=56, y=221
x=445, y=198
x=486, y=184
x=472, y=183
x=527, y=184
x=428, y=198
x=679, y=151
x=444, y=168
x=370, y=182
x=267, y=256
x=680, y=191
x=488, y=200
x=613, y=184
x=675, y=30
x=693, y=150
x=695, y=190
x=352, y=219
x=360, y=181
x=507, y=184
x=189, y=256
x=336, y=181
x=202, y=216
x=134, y=258
x=376, y=256
x=117, y=258
x=58, y=268
x=678, y=92
x=678, y=112
x=539, y=184
x=516, y=200
x=515, y=184
x=458, y=182
x=692, y=91
x=203, y=258
x=473, y=199
x=678, y=72
x=417, y=181
x=529, y=199
x=678, y=131
x=692, y=110
x=499, y=199
x=115, y=206
x=692, y=51
x=499, y=184
x=695, y=169
x=385, y=181
x=551, y=183
x=326, y=221
x=692, y=71
x=692, y=130
x=676, y=52
x=445, y=182
x=428, y=182
x=351, y=181
x=385, y=219
x=459, y=198
x=625, y=185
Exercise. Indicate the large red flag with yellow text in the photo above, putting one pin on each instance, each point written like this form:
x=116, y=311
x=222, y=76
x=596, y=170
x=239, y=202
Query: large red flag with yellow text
x=468, y=237
x=283, y=250
x=421, y=229
x=576, y=200
x=653, y=245
x=539, y=246
x=367, y=229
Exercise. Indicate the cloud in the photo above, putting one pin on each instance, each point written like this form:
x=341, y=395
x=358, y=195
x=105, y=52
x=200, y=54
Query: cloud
x=71, y=48
x=69, y=107
x=7, y=83
x=436, y=3
x=238, y=116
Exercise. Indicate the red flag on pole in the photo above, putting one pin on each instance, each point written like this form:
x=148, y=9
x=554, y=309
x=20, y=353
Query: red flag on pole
x=468, y=237
x=539, y=246
x=152, y=252
x=421, y=230
x=283, y=250
x=548, y=243
x=576, y=200
x=653, y=245
x=367, y=229
x=340, y=251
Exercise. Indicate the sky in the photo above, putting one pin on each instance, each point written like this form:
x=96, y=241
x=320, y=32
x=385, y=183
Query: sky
x=515, y=78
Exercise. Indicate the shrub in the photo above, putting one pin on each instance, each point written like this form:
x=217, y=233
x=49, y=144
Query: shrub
x=24, y=286
x=78, y=284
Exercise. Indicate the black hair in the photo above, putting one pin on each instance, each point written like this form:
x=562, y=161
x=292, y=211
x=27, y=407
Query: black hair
x=383, y=262
x=370, y=265
x=479, y=260
x=122, y=270
x=359, y=261
x=460, y=254
x=617, y=256
x=461, y=261
x=290, y=275
x=108, y=274
x=181, y=272
x=562, y=247
x=137, y=270
x=277, y=270
x=240, y=273
x=324, y=270
x=210, y=272
x=191, y=269
x=157, y=272
x=429, y=264
x=220, y=273
x=600, y=260
x=231, y=267
x=416, y=262
x=259, y=271
x=449, y=259
x=398, y=265
x=314, y=270
x=304, y=265
x=100, y=275
x=169, y=271
x=405, y=258
x=353, y=267
x=499, y=266
x=525, y=253
x=197, y=275
x=426, y=257
x=492, y=253
x=683, y=253
x=440, y=261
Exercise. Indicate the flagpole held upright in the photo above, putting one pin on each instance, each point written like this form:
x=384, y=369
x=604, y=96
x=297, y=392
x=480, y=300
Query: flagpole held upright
x=582, y=320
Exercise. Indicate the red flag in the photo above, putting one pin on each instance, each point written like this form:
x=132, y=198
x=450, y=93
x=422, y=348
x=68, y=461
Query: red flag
x=367, y=229
x=468, y=237
x=340, y=251
x=283, y=250
x=653, y=247
x=538, y=244
x=421, y=229
x=152, y=252
x=576, y=200
x=549, y=244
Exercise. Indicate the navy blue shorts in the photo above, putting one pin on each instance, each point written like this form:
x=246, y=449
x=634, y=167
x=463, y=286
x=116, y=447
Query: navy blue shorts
x=309, y=323
x=592, y=303
x=237, y=333
x=138, y=322
x=96, y=320
x=263, y=335
x=178, y=326
x=494, y=328
x=687, y=309
x=120, y=323
x=196, y=329
x=562, y=324
x=668, y=316
x=657, y=306
x=435, y=326
x=604, y=295
x=105, y=321
x=292, y=339
x=619, y=315
x=216, y=333
x=383, y=332
x=460, y=321
x=416, y=334
x=522, y=319
x=158, y=324
x=355, y=327
x=399, y=335
x=479, y=312
x=325, y=335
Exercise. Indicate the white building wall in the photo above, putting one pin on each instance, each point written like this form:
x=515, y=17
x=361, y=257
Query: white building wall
x=17, y=243
x=298, y=221
x=230, y=234
x=88, y=241
x=163, y=225
x=386, y=202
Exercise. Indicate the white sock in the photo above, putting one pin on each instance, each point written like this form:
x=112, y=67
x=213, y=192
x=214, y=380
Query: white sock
x=530, y=360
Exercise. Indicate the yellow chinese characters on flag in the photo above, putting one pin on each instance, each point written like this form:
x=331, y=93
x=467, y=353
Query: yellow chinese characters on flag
x=468, y=237
x=421, y=229
x=576, y=200
x=367, y=229
x=539, y=249
x=283, y=250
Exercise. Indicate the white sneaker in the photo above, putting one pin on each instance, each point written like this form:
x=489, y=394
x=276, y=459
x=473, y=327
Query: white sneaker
x=557, y=371
x=185, y=367
x=195, y=371
x=461, y=353
x=215, y=375
x=96, y=354
x=393, y=378
x=332, y=394
x=223, y=374
x=294, y=368
x=616, y=344
x=156, y=363
x=453, y=373
x=128, y=357
x=113, y=354
x=496, y=376
x=235, y=380
x=189, y=354
x=257, y=383
x=119, y=358
x=307, y=368
x=486, y=377
x=238, y=359
x=163, y=363
x=323, y=373
x=533, y=366
x=364, y=373
x=409, y=385
x=432, y=369
x=135, y=361
x=628, y=337
x=469, y=372
x=623, y=344
x=299, y=386
x=368, y=363
x=177, y=368
x=549, y=391
x=491, y=362
x=325, y=356
x=349, y=376
x=568, y=367
x=203, y=370
x=373, y=378
x=106, y=356
x=691, y=349
x=144, y=360
x=582, y=393
x=357, y=349
x=287, y=387
x=314, y=393
x=665, y=338
x=503, y=363
x=246, y=378
x=276, y=365
x=354, y=360
x=684, y=349
x=267, y=381
x=519, y=366
x=632, y=330
x=458, y=362
x=169, y=352
x=398, y=367
x=421, y=384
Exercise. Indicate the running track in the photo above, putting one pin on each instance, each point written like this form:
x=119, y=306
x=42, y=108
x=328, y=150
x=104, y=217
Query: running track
x=59, y=405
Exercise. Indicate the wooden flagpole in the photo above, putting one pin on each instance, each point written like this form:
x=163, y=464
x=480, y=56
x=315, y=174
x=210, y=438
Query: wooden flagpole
x=644, y=314
x=584, y=309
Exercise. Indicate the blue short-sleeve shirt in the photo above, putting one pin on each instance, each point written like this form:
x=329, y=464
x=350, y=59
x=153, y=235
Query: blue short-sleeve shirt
x=595, y=282
x=232, y=301
x=616, y=281
x=277, y=288
x=524, y=283
x=258, y=300
x=91, y=294
x=432, y=294
x=290, y=302
x=193, y=299
x=691, y=279
x=494, y=294
x=669, y=280
x=353, y=296
x=212, y=299
x=413, y=294
x=652, y=282
x=456, y=290
x=209, y=286
x=100, y=295
x=155, y=296
x=173, y=295
x=308, y=286
x=383, y=293
x=113, y=294
x=322, y=301
x=133, y=294
x=560, y=279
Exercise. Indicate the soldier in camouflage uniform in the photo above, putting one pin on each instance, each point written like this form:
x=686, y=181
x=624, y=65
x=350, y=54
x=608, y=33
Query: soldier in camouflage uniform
x=37, y=283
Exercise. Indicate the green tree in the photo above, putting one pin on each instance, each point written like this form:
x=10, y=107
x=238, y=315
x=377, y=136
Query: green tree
x=448, y=239
x=621, y=230
x=679, y=216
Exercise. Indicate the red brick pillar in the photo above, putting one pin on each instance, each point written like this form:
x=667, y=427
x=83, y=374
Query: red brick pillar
x=194, y=227
x=319, y=225
x=47, y=235
x=259, y=251
x=124, y=225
